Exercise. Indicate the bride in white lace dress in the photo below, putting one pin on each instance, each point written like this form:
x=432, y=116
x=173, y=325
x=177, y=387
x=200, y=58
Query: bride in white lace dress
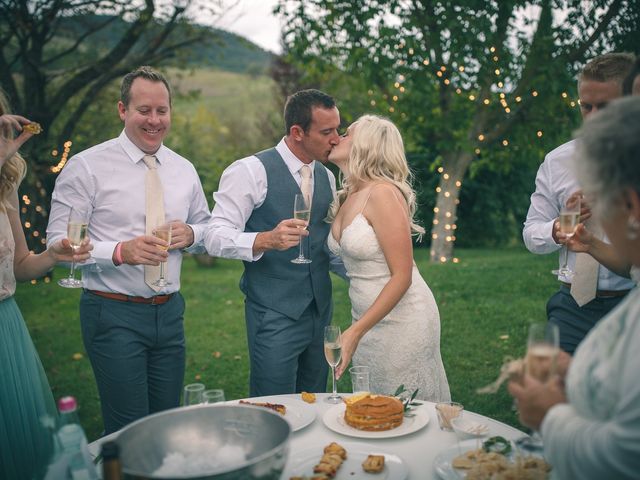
x=396, y=324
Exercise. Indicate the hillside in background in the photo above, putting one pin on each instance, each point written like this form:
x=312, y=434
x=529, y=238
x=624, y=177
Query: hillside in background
x=221, y=50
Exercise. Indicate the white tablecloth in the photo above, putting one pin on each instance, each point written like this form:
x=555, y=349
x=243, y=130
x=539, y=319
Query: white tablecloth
x=418, y=450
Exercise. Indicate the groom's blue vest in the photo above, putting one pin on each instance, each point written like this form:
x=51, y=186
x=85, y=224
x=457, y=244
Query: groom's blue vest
x=273, y=281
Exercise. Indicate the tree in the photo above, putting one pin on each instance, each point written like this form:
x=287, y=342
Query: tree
x=57, y=56
x=473, y=81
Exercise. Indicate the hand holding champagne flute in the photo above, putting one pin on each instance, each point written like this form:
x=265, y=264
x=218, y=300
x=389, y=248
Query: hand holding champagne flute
x=333, y=353
x=542, y=351
x=568, y=221
x=77, y=227
x=163, y=232
x=541, y=361
x=301, y=211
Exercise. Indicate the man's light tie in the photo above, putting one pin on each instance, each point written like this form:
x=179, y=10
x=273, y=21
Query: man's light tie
x=154, y=211
x=305, y=184
x=585, y=280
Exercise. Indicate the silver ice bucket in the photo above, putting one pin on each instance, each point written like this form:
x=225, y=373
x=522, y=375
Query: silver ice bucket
x=217, y=441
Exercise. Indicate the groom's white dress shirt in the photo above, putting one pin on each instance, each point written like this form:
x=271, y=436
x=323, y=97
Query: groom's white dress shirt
x=243, y=188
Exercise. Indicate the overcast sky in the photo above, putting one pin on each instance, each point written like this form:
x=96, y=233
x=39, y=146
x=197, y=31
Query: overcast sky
x=253, y=19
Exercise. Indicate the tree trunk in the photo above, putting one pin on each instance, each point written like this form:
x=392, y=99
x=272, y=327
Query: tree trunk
x=443, y=231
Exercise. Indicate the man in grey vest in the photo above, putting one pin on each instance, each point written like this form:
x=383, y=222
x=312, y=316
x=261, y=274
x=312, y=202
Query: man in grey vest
x=287, y=305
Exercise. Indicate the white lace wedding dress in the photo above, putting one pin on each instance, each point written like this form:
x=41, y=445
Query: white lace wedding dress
x=404, y=347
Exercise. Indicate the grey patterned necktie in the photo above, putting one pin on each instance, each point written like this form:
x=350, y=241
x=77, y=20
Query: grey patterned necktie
x=154, y=213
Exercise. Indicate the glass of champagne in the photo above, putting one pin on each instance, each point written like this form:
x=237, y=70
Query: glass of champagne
x=163, y=232
x=301, y=211
x=543, y=347
x=569, y=219
x=77, y=227
x=333, y=353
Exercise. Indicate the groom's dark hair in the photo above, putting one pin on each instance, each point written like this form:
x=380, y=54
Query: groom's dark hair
x=297, y=110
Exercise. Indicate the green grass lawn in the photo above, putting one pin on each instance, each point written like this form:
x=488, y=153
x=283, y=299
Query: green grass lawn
x=486, y=302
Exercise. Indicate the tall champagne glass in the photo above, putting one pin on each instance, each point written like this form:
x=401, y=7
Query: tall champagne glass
x=163, y=232
x=301, y=211
x=569, y=219
x=543, y=347
x=77, y=226
x=333, y=353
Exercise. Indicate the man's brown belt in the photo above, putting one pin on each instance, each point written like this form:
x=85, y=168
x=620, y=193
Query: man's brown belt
x=603, y=293
x=121, y=297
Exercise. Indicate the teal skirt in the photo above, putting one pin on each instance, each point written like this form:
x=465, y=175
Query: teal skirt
x=25, y=398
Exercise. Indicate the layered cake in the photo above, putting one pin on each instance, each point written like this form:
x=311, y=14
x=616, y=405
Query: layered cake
x=370, y=412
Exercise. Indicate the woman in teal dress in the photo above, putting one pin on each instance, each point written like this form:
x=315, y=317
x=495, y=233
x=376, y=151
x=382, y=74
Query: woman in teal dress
x=25, y=395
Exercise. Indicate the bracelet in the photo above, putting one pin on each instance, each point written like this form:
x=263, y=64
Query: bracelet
x=117, y=254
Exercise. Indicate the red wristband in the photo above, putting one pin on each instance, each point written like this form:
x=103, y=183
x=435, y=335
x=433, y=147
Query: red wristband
x=118, y=254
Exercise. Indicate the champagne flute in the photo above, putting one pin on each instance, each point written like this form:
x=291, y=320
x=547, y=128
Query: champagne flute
x=77, y=226
x=333, y=354
x=543, y=347
x=163, y=232
x=301, y=211
x=569, y=219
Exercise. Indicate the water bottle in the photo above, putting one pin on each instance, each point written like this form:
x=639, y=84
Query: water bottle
x=73, y=441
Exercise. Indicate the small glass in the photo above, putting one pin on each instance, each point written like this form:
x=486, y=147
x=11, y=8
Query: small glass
x=163, y=232
x=333, y=354
x=214, y=395
x=77, y=226
x=193, y=394
x=359, y=379
x=301, y=211
x=446, y=412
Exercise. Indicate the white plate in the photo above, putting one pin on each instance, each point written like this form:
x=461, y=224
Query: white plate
x=334, y=420
x=299, y=414
x=442, y=462
x=351, y=468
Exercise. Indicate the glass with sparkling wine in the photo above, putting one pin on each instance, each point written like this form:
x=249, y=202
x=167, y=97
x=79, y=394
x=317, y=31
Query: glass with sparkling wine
x=569, y=219
x=163, y=232
x=77, y=227
x=301, y=211
x=543, y=347
x=333, y=353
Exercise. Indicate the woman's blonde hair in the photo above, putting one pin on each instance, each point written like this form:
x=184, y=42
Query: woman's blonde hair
x=14, y=169
x=377, y=154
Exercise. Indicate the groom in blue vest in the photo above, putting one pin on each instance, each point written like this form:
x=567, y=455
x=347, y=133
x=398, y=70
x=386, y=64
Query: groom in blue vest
x=287, y=305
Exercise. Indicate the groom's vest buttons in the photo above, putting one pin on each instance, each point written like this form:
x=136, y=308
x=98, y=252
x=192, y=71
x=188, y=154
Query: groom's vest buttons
x=273, y=281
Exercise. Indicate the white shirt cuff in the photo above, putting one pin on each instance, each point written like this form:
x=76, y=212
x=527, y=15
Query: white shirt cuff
x=102, y=253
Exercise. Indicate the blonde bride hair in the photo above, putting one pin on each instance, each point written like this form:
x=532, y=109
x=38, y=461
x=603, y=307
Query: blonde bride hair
x=377, y=154
x=14, y=169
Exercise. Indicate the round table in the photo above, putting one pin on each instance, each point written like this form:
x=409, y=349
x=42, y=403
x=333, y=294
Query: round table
x=417, y=450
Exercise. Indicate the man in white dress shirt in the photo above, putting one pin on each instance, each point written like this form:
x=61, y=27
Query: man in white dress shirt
x=287, y=305
x=132, y=330
x=600, y=82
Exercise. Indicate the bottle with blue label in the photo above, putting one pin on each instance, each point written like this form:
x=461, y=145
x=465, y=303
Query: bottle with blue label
x=73, y=442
